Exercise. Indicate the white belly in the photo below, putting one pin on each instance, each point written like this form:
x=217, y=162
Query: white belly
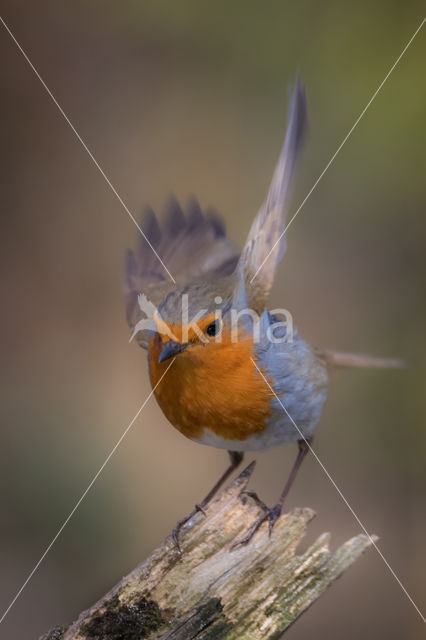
x=271, y=437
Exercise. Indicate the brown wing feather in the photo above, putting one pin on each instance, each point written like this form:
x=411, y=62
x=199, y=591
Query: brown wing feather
x=189, y=245
x=265, y=244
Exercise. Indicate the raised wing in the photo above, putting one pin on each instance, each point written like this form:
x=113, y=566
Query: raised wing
x=266, y=243
x=188, y=245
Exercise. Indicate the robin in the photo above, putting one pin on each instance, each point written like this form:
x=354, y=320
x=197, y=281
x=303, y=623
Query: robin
x=236, y=379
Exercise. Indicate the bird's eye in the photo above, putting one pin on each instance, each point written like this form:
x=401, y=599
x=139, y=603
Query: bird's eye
x=213, y=328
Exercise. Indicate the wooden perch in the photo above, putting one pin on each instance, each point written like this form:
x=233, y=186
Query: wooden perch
x=214, y=592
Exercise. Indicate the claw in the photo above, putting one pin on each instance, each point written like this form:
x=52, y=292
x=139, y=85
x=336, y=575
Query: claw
x=200, y=509
x=255, y=497
x=175, y=533
x=180, y=523
x=271, y=515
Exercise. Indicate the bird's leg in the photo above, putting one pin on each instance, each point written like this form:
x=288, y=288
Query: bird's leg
x=272, y=514
x=236, y=459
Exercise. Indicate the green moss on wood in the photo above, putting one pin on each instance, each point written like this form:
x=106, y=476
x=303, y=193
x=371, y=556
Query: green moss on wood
x=130, y=621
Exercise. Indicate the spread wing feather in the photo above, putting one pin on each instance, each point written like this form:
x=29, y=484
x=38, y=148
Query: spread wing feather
x=266, y=244
x=195, y=243
x=188, y=244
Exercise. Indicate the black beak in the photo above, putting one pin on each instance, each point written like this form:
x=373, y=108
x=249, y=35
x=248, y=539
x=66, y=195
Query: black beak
x=171, y=349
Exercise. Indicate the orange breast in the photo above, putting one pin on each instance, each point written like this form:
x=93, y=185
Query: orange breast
x=213, y=386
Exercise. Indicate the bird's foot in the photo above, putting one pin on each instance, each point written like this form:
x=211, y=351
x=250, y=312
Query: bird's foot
x=271, y=515
x=199, y=508
x=255, y=497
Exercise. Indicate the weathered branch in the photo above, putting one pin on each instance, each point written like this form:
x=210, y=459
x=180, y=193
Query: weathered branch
x=213, y=592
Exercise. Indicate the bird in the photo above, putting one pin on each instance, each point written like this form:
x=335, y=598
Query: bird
x=223, y=368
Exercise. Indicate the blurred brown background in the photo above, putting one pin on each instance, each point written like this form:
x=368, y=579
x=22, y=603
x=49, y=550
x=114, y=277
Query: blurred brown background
x=191, y=98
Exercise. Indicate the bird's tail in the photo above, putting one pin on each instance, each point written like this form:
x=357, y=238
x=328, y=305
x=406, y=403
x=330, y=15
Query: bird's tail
x=346, y=360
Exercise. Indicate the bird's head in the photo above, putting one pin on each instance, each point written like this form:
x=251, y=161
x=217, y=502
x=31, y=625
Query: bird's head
x=200, y=318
